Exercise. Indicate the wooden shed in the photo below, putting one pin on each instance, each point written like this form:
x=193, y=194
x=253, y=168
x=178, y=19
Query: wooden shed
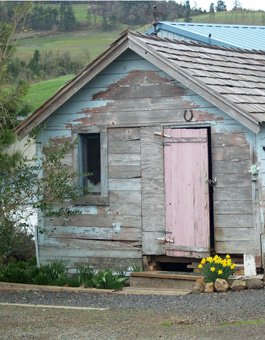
x=170, y=130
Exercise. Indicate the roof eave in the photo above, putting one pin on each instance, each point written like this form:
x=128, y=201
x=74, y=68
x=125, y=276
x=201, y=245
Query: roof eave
x=72, y=86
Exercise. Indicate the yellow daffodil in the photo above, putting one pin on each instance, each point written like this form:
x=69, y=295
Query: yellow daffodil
x=210, y=259
x=203, y=261
x=212, y=269
x=228, y=256
x=200, y=266
x=224, y=264
x=233, y=266
x=220, y=272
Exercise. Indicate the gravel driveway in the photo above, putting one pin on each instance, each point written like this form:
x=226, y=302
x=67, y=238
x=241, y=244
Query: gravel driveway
x=234, y=315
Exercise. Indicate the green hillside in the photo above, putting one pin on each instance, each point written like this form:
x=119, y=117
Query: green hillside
x=239, y=17
x=40, y=92
x=93, y=41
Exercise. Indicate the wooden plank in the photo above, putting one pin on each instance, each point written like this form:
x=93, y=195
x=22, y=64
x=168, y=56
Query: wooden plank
x=152, y=244
x=153, y=199
x=134, y=118
x=233, y=180
x=232, y=220
x=124, y=159
x=231, y=167
x=235, y=247
x=127, y=197
x=232, y=194
x=123, y=134
x=101, y=251
x=116, y=233
x=100, y=263
x=164, y=275
x=107, y=220
x=229, y=139
x=82, y=243
x=233, y=207
x=124, y=165
x=231, y=154
x=123, y=184
x=124, y=147
x=124, y=171
x=234, y=234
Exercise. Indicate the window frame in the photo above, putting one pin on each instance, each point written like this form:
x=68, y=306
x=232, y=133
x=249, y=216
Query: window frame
x=103, y=198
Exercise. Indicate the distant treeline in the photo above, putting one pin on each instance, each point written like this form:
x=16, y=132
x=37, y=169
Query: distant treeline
x=45, y=65
x=141, y=13
x=44, y=16
x=60, y=15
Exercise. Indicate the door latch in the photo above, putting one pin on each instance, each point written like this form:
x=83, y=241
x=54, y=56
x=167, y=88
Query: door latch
x=211, y=182
x=165, y=240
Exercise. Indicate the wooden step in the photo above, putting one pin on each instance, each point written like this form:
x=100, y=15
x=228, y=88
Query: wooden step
x=163, y=279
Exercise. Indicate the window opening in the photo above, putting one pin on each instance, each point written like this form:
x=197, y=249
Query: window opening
x=89, y=162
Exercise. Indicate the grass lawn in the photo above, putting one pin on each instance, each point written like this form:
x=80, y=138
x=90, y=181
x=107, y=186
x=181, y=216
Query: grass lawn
x=240, y=17
x=74, y=42
x=40, y=92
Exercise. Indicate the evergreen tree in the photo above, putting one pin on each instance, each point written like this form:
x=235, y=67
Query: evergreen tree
x=221, y=6
x=34, y=63
x=211, y=10
x=187, y=12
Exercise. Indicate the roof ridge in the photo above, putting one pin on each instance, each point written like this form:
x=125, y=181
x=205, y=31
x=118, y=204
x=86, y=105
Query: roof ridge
x=200, y=44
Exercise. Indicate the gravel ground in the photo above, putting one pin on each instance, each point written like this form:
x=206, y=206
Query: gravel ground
x=234, y=315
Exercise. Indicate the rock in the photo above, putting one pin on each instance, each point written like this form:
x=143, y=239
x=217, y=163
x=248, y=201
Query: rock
x=221, y=286
x=198, y=288
x=201, y=280
x=254, y=284
x=209, y=287
x=238, y=285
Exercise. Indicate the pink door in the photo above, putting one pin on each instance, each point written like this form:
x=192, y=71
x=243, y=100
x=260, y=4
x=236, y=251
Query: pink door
x=187, y=192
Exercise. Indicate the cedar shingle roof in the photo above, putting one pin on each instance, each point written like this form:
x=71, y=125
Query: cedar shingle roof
x=237, y=75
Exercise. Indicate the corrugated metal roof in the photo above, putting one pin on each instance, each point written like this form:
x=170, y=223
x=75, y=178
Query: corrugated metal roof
x=238, y=36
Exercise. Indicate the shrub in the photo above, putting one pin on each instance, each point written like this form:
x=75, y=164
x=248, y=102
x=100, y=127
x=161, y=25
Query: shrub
x=217, y=268
x=15, y=242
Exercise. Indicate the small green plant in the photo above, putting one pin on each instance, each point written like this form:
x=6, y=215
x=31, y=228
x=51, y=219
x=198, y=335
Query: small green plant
x=56, y=274
x=108, y=280
x=167, y=324
x=136, y=267
x=73, y=282
x=217, y=268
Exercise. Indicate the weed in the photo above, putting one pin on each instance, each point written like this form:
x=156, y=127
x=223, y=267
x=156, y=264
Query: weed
x=240, y=323
x=167, y=324
x=136, y=267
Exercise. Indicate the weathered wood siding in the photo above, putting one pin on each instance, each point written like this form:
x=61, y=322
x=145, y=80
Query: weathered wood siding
x=135, y=100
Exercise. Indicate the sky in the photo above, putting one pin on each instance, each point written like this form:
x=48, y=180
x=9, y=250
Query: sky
x=248, y=4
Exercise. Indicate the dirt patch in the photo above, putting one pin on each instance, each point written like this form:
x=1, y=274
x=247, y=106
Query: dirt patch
x=57, y=324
